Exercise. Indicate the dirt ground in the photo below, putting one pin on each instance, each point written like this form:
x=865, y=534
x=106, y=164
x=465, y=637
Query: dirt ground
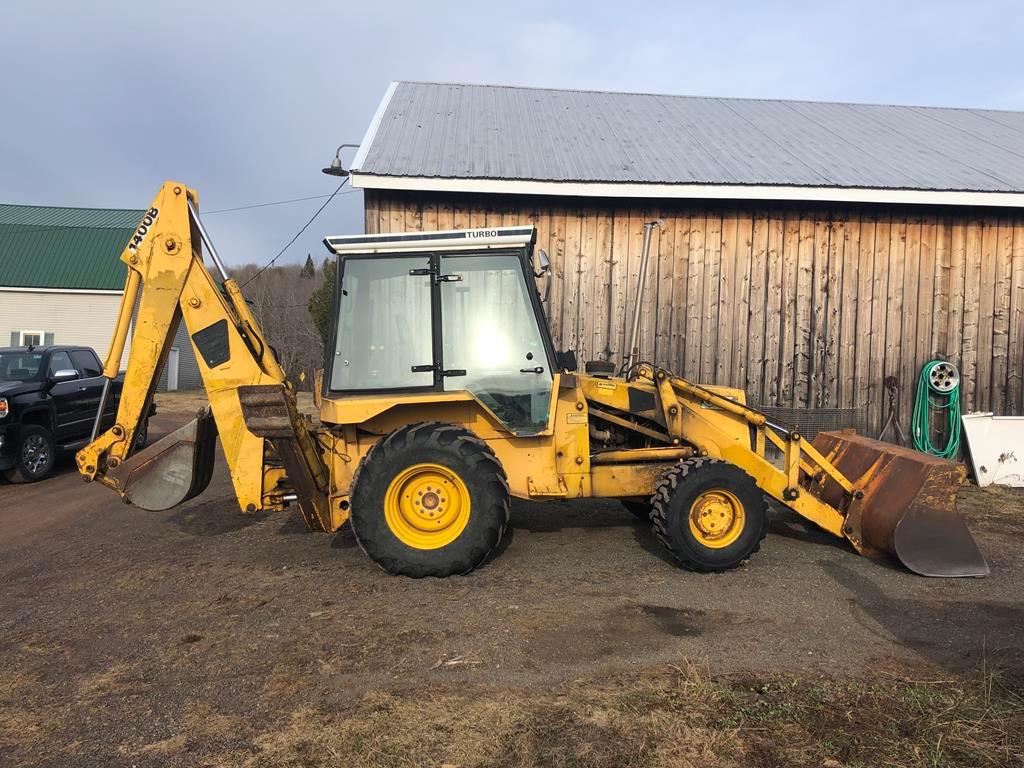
x=205, y=637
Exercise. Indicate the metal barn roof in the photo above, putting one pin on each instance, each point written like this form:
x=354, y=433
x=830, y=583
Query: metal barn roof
x=64, y=248
x=457, y=137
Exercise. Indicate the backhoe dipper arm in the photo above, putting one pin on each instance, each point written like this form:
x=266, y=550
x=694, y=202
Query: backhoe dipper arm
x=164, y=260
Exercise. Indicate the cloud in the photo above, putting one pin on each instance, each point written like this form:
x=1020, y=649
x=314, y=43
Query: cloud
x=103, y=101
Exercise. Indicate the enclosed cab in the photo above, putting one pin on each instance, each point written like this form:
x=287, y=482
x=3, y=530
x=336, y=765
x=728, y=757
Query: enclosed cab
x=443, y=312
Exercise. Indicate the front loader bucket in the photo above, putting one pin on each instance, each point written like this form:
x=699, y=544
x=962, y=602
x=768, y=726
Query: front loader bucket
x=908, y=509
x=171, y=470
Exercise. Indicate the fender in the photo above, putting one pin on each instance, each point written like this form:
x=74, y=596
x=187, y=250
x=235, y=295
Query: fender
x=43, y=407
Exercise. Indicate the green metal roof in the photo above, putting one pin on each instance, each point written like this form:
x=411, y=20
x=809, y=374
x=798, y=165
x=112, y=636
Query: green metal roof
x=46, y=247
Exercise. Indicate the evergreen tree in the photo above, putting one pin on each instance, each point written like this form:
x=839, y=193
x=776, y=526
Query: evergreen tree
x=309, y=268
x=321, y=303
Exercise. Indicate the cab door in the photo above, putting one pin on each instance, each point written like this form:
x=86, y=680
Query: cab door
x=90, y=389
x=493, y=334
x=383, y=338
x=66, y=397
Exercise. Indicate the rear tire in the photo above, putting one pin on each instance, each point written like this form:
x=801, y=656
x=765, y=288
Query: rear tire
x=709, y=514
x=36, y=452
x=430, y=499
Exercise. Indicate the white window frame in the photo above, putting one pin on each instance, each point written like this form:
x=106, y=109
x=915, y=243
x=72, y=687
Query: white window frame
x=23, y=334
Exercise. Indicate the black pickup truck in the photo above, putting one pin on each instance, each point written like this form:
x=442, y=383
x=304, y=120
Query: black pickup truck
x=48, y=402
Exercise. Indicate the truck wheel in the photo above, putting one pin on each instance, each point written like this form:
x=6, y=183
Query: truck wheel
x=141, y=436
x=35, y=455
x=709, y=514
x=429, y=499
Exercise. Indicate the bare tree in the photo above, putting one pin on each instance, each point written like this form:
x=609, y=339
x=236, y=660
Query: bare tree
x=279, y=298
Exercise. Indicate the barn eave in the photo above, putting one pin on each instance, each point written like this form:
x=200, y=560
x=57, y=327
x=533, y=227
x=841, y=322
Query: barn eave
x=766, y=192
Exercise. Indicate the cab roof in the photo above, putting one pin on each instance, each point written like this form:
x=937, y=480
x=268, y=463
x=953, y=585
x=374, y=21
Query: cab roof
x=446, y=240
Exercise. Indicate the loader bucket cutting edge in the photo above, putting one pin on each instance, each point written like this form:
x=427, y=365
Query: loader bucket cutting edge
x=172, y=470
x=909, y=505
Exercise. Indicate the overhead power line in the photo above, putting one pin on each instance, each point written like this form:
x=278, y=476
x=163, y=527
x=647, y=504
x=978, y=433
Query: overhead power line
x=276, y=202
x=31, y=229
x=270, y=263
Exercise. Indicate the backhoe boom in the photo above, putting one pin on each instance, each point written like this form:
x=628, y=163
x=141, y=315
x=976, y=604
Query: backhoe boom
x=170, y=284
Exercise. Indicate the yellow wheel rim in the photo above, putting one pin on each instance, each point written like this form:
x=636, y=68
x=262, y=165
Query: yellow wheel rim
x=427, y=506
x=717, y=518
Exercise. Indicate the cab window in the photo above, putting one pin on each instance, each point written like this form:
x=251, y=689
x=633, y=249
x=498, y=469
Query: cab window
x=86, y=363
x=20, y=366
x=59, y=361
x=384, y=325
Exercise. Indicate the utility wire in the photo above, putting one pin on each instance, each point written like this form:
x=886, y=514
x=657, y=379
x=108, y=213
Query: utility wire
x=270, y=263
x=31, y=229
x=276, y=202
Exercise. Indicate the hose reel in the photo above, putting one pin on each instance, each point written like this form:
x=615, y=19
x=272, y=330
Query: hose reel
x=938, y=389
x=943, y=377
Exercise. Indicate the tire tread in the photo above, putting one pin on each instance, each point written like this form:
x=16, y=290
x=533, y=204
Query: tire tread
x=661, y=501
x=15, y=474
x=442, y=438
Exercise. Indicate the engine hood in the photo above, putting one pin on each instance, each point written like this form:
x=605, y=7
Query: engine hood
x=11, y=388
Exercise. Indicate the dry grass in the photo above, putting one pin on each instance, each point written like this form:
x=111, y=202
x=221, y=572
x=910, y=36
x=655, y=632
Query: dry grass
x=114, y=680
x=676, y=718
x=187, y=403
x=199, y=729
x=21, y=724
x=180, y=402
x=995, y=507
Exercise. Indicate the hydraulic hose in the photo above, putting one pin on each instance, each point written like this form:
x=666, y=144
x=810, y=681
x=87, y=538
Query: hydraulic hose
x=938, y=388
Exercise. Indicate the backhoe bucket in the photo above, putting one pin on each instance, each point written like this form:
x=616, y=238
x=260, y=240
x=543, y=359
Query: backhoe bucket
x=909, y=506
x=173, y=469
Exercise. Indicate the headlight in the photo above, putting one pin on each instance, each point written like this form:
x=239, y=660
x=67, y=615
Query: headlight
x=3, y=407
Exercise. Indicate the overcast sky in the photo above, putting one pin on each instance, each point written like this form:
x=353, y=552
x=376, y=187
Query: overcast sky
x=102, y=101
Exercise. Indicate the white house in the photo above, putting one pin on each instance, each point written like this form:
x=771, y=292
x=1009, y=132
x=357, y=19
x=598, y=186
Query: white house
x=61, y=282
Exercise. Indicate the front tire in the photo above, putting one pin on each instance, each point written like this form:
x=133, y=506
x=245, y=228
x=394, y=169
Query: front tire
x=36, y=452
x=429, y=499
x=709, y=514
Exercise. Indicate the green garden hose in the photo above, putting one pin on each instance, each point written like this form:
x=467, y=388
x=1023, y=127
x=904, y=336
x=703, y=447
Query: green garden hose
x=938, y=388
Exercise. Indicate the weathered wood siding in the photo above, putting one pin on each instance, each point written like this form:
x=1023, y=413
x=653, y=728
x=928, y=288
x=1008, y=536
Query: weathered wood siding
x=802, y=307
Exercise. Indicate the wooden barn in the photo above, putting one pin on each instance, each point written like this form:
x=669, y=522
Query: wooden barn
x=807, y=251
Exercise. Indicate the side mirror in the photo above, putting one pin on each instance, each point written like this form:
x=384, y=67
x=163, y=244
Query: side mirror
x=544, y=262
x=64, y=374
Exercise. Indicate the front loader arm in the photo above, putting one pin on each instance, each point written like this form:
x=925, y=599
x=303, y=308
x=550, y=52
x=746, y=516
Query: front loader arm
x=882, y=498
x=164, y=262
x=730, y=430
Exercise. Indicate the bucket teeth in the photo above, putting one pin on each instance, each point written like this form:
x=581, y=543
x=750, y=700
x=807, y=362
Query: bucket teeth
x=908, y=510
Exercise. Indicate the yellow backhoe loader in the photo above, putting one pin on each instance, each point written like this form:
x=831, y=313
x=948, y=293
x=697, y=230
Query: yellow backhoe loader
x=443, y=396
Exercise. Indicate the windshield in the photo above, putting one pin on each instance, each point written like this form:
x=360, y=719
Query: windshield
x=20, y=366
